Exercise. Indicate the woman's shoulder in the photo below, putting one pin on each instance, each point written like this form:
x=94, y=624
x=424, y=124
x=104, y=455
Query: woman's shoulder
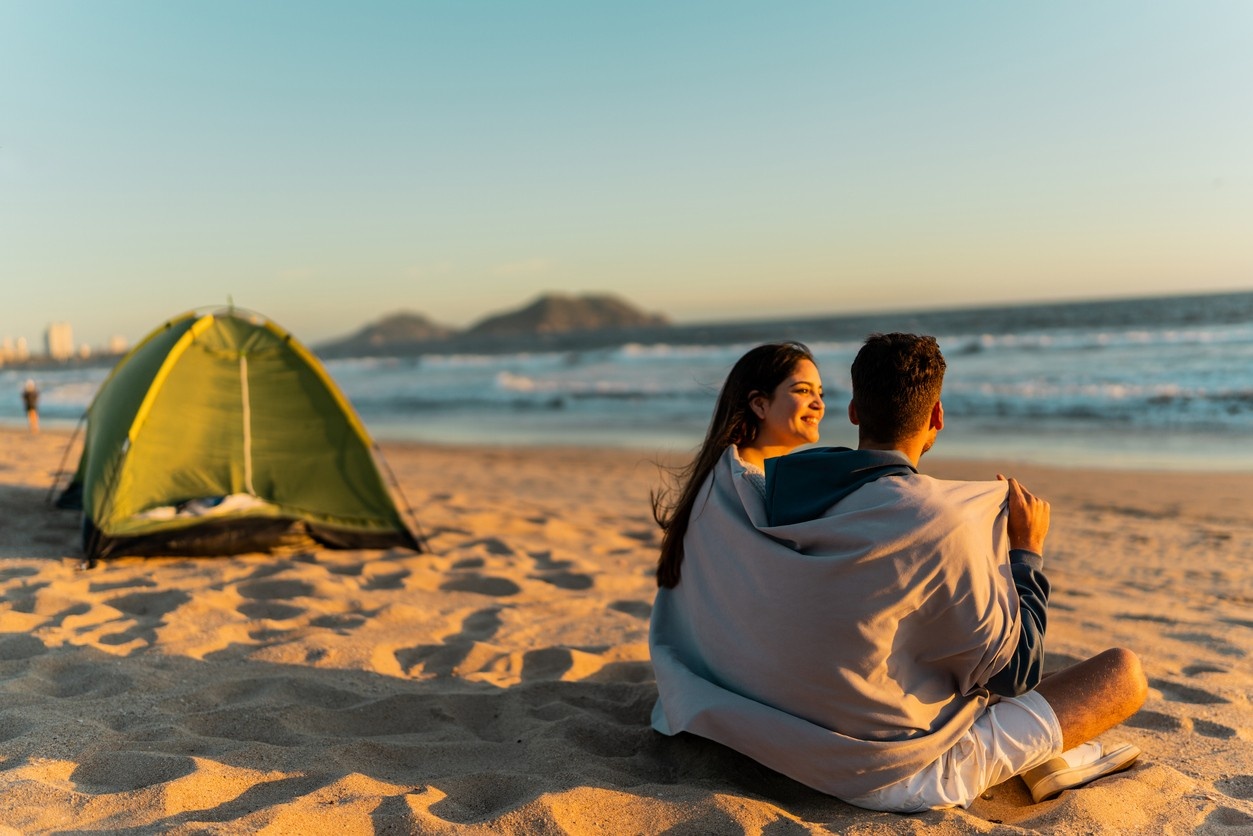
x=748, y=471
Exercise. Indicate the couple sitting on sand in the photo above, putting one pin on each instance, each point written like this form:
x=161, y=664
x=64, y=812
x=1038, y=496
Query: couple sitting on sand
x=869, y=631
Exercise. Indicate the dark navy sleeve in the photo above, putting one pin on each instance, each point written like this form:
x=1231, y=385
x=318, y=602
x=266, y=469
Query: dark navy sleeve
x=1027, y=665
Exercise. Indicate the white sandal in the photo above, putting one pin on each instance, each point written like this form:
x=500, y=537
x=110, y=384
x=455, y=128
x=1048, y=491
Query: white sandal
x=1076, y=767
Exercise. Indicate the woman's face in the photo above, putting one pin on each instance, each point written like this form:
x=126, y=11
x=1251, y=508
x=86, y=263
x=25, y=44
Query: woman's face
x=791, y=414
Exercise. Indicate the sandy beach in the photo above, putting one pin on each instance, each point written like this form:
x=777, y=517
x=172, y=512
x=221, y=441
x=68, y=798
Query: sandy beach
x=501, y=682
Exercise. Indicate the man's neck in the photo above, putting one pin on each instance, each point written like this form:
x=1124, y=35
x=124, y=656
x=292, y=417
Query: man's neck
x=912, y=448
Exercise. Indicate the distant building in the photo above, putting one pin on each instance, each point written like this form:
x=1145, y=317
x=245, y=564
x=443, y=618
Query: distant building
x=59, y=341
x=14, y=350
x=118, y=344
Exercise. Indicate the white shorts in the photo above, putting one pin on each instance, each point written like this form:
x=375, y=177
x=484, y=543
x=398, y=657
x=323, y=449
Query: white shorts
x=1010, y=737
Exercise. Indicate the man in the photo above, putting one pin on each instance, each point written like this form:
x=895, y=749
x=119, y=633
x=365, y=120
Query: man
x=30, y=400
x=883, y=641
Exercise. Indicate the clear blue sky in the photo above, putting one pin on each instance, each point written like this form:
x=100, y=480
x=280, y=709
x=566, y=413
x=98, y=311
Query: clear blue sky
x=328, y=163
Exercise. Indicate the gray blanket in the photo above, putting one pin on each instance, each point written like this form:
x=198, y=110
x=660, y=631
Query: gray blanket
x=848, y=651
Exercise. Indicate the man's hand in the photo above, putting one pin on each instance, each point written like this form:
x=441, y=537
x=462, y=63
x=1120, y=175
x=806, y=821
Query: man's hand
x=1028, y=518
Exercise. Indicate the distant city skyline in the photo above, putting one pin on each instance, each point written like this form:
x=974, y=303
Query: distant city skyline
x=330, y=163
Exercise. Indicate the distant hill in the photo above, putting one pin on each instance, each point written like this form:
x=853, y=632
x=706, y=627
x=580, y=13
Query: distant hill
x=556, y=313
x=552, y=322
x=403, y=332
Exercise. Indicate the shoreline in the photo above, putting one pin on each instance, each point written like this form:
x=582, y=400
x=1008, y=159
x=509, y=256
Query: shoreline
x=501, y=682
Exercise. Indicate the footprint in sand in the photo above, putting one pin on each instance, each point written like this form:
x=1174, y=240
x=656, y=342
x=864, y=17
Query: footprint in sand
x=644, y=535
x=443, y=659
x=22, y=599
x=546, y=663
x=126, y=771
x=154, y=605
x=1154, y=721
x=1237, y=786
x=556, y=572
x=341, y=623
x=266, y=598
x=267, y=590
x=1155, y=619
x=1194, y=670
x=544, y=561
x=390, y=580
x=16, y=646
x=473, y=799
x=1227, y=818
x=348, y=570
x=1216, y=730
x=573, y=581
x=1208, y=642
x=492, y=545
x=11, y=727
x=129, y=583
x=639, y=609
x=149, y=609
x=65, y=680
x=483, y=585
x=1057, y=661
x=1182, y=693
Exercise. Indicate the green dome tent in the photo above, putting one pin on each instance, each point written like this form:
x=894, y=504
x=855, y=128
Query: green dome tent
x=220, y=433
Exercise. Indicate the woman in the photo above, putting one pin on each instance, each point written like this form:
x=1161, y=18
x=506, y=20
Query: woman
x=770, y=404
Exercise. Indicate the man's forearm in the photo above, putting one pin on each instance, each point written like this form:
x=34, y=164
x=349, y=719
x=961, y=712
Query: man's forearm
x=1027, y=665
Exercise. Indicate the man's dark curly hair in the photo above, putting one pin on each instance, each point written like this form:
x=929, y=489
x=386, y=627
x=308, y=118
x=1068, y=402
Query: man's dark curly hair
x=896, y=380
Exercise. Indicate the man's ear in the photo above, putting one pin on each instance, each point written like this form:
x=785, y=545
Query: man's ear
x=852, y=413
x=937, y=416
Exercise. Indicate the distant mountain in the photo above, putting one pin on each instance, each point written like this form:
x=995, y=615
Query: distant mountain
x=552, y=322
x=557, y=313
x=404, y=332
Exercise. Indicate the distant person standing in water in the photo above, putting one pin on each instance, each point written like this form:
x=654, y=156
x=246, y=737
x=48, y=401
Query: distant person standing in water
x=30, y=397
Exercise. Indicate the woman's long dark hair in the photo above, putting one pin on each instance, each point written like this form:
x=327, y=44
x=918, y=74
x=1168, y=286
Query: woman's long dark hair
x=760, y=371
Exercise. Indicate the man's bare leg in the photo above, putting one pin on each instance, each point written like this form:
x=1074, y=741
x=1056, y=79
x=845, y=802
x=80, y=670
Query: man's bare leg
x=1095, y=695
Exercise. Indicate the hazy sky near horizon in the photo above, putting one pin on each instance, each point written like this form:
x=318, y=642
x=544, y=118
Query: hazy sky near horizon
x=326, y=163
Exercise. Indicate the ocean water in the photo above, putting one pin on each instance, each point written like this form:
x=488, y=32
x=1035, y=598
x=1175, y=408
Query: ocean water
x=1150, y=383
